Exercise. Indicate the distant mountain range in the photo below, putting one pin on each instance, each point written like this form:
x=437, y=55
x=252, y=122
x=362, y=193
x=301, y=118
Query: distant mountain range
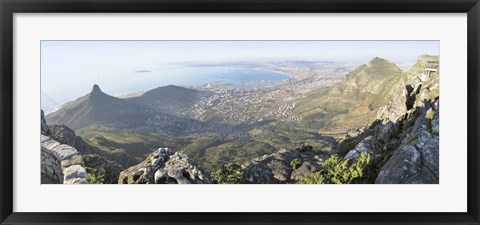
x=99, y=108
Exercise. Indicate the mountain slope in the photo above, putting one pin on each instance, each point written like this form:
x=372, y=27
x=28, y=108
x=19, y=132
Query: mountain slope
x=171, y=99
x=96, y=108
x=354, y=102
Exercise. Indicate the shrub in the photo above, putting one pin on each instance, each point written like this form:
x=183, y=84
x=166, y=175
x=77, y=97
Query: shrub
x=340, y=171
x=295, y=163
x=304, y=148
x=228, y=174
x=314, y=178
x=93, y=178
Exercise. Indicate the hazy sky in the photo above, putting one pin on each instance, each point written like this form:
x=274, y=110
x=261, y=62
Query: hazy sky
x=75, y=65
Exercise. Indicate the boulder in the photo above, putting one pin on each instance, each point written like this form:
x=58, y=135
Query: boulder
x=74, y=160
x=164, y=166
x=276, y=169
x=271, y=169
x=367, y=145
x=63, y=152
x=75, y=172
x=65, y=135
x=306, y=169
x=182, y=169
x=413, y=163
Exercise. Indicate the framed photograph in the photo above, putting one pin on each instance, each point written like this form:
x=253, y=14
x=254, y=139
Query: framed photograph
x=231, y=112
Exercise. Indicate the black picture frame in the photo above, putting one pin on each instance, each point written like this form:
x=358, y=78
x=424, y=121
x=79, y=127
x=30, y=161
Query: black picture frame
x=9, y=7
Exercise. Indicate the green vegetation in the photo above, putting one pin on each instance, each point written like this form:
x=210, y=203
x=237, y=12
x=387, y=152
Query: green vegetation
x=112, y=142
x=239, y=152
x=305, y=148
x=412, y=138
x=209, y=150
x=228, y=174
x=341, y=171
x=95, y=179
x=295, y=163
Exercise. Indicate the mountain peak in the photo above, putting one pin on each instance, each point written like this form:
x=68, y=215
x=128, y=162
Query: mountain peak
x=377, y=61
x=96, y=89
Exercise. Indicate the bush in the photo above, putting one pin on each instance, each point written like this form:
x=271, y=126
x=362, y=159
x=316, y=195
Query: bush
x=295, y=163
x=340, y=171
x=304, y=148
x=228, y=174
x=314, y=178
x=95, y=179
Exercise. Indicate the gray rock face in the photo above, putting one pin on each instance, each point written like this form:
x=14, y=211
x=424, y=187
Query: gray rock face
x=276, y=169
x=401, y=166
x=51, y=171
x=182, y=170
x=63, y=152
x=75, y=160
x=387, y=132
x=435, y=123
x=367, y=145
x=43, y=122
x=164, y=166
x=271, y=169
x=65, y=135
x=415, y=163
x=74, y=172
x=61, y=163
x=396, y=108
x=416, y=160
x=306, y=169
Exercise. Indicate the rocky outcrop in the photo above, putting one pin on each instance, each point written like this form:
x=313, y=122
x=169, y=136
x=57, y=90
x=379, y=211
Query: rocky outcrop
x=367, y=145
x=404, y=140
x=164, y=166
x=61, y=163
x=416, y=160
x=413, y=163
x=276, y=168
x=65, y=135
x=87, y=155
x=43, y=124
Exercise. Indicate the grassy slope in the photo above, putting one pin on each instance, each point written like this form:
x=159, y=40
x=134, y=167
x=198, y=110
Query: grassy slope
x=353, y=103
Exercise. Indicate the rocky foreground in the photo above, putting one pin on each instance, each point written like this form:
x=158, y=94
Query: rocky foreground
x=68, y=159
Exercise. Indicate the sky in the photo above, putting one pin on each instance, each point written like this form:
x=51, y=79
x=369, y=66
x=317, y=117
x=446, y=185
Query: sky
x=74, y=65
